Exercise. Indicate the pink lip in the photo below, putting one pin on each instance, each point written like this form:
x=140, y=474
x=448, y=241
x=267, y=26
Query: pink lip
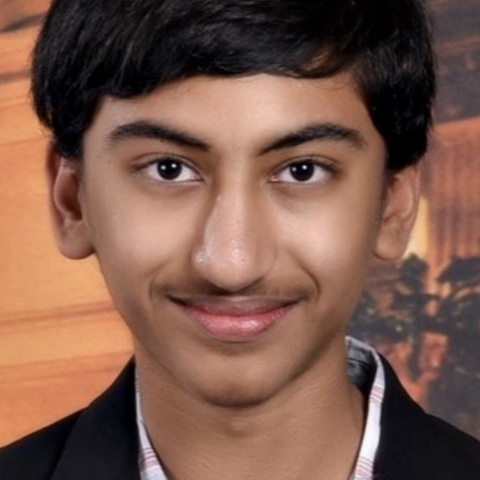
x=235, y=320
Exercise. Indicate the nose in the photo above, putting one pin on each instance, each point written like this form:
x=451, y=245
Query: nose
x=235, y=248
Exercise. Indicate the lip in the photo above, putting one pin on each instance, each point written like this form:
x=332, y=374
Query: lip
x=238, y=320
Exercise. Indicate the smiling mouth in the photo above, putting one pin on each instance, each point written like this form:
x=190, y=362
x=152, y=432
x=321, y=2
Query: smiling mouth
x=235, y=320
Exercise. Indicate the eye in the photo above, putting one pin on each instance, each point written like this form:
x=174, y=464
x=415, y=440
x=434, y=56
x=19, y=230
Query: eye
x=171, y=170
x=304, y=171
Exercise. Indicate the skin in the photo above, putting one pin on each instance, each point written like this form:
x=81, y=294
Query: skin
x=237, y=280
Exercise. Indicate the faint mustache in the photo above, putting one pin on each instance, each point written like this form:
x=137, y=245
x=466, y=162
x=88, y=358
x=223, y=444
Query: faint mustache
x=261, y=290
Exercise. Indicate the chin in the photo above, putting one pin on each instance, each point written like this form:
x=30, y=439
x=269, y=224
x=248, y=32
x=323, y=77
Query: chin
x=238, y=395
x=235, y=400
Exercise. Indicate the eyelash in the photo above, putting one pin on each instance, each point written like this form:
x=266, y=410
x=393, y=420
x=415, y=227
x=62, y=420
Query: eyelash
x=328, y=167
x=172, y=159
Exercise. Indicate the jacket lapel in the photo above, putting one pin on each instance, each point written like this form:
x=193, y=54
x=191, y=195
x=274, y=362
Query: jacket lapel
x=103, y=444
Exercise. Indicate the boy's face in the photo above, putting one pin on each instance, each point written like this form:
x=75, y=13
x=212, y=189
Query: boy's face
x=234, y=221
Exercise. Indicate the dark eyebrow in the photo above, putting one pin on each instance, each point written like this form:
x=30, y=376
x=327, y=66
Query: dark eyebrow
x=155, y=131
x=323, y=131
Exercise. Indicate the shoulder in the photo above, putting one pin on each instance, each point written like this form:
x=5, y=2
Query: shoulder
x=36, y=456
x=95, y=443
x=460, y=446
x=416, y=445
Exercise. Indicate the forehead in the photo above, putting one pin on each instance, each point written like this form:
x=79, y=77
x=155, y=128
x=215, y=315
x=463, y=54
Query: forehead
x=241, y=111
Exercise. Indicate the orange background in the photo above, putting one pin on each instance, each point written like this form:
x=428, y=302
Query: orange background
x=61, y=342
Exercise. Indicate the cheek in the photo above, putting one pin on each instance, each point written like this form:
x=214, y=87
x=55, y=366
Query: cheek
x=335, y=238
x=134, y=238
x=335, y=255
x=335, y=250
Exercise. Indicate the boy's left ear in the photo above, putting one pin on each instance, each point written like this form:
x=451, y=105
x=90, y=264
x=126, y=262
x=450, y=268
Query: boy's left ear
x=399, y=213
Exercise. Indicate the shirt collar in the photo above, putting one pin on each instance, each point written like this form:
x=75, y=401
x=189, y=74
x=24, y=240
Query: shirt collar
x=365, y=370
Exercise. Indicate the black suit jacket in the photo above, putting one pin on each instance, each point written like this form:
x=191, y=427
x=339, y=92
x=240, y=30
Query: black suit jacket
x=100, y=442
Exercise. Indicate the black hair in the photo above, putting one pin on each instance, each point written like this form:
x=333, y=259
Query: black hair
x=89, y=49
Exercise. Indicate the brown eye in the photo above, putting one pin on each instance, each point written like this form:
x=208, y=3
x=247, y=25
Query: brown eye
x=169, y=169
x=306, y=171
x=302, y=171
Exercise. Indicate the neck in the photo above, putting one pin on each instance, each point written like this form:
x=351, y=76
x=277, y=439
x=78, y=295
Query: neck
x=310, y=430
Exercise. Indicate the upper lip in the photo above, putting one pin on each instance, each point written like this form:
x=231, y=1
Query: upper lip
x=234, y=306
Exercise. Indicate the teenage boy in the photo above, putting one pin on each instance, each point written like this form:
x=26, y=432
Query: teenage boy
x=235, y=166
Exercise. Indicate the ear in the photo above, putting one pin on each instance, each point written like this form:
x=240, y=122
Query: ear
x=398, y=214
x=67, y=206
